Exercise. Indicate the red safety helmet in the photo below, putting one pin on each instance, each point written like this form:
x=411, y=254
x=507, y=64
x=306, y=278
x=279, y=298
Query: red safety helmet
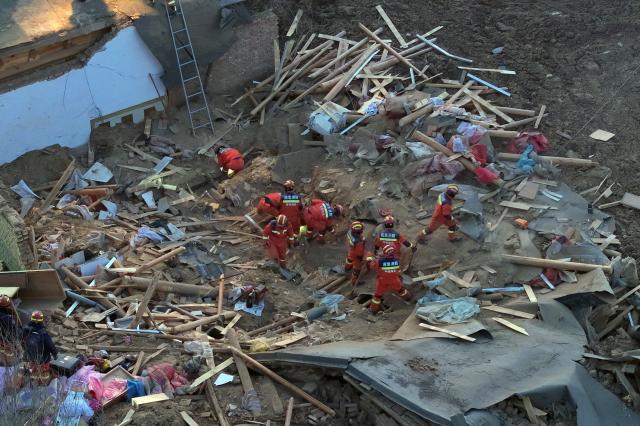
x=282, y=220
x=338, y=210
x=452, y=190
x=289, y=185
x=357, y=227
x=37, y=316
x=5, y=301
x=389, y=250
x=389, y=221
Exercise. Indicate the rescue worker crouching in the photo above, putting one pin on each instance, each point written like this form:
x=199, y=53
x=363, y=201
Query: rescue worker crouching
x=279, y=237
x=270, y=204
x=388, y=273
x=388, y=235
x=229, y=159
x=319, y=217
x=355, y=255
x=442, y=215
x=39, y=349
x=9, y=333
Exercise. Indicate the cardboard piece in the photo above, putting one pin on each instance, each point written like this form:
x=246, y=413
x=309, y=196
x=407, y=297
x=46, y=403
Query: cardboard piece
x=601, y=135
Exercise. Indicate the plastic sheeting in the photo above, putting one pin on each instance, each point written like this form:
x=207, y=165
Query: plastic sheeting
x=449, y=311
x=472, y=376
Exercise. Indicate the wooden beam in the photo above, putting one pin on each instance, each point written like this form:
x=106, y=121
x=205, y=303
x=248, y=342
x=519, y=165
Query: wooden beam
x=462, y=283
x=508, y=311
x=138, y=364
x=511, y=325
x=145, y=301
x=615, y=322
x=243, y=372
x=58, y=186
x=557, y=160
x=142, y=400
x=209, y=374
x=445, y=331
x=489, y=106
x=530, y=294
x=289, y=416
x=187, y=419
x=294, y=24
x=556, y=264
x=540, y=115
x=392, y=27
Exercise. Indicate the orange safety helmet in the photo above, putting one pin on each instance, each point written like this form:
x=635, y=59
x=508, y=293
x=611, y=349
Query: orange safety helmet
x=5, y=301
x=282, y=220
x=389, y=250
x=357, y=227
x=289, y=185
x=452, y=190
x=389, y=221
x=37, y=316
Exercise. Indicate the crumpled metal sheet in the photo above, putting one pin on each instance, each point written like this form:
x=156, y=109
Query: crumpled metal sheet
x=471, y=376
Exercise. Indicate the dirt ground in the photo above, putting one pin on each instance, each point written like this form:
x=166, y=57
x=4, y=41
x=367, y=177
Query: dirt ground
x=576, y=57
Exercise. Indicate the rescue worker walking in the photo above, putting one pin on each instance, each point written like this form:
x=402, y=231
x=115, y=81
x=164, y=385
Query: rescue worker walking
x=319, y=218
x=442, y=215
x=355, y=255
x=279, y=238
x=388, y=272
x=39, y=349
x=229, y=159
x=291, y=206
x=388, y=235
x=9, y=332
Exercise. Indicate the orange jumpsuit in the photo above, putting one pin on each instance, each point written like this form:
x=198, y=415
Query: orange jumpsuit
x=390, y=236
x=442, y=214
x=388, y=274
x=270, y=204
x=291, y=207
x=355, y=255
x=230, y=159
x=319, y=219
x=279, y=239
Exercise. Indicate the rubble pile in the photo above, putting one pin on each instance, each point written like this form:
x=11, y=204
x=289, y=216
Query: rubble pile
x=160, y=289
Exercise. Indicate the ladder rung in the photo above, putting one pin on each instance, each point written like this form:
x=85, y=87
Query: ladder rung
x=195, y=94
x=189, y=79
x=180, y=30
x=202, y=125
x=182, y=47
x=187, y=63
x=198, y=110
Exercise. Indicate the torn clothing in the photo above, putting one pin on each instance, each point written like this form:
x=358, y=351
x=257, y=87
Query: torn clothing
x=230, y=159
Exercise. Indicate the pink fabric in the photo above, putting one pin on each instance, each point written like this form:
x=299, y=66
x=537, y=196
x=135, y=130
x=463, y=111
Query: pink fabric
x=164, y=373
x=113, y=388
x=538, y=140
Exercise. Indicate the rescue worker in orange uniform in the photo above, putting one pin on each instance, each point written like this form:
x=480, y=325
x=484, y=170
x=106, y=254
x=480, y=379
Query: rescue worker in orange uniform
x=355, y=255
x=388, y=235
x=9, y=332
x=442, y=215
x=388, y=272
x=279, y=238
x=39, y=349
x=270, y=204
x=319, y=218
x=229, y=159
x=291, y=206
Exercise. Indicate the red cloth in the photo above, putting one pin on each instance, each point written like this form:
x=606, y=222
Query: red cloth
x=279, y=240
x=390, y=236
x=165, y=375
x=316, y=218
x=485, y=175
x=355, y=253
x=479, y=152
x=442, y=213
x=519, y=143
x=291, y=207
x=387, y=275
x=231, y=159
x=270, y=204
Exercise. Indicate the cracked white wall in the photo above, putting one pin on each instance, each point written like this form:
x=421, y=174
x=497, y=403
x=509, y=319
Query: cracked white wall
x=59, y=111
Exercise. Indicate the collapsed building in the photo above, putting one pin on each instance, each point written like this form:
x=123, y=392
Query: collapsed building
x=117, y=223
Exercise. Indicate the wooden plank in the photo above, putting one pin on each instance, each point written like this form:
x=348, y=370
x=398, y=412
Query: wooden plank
x=540, y=115
x=529, y=191
x=545, y=182
x=209, y=374
x=295, y=337
x=145, y=300
x=509, y=311
x=127, y=418
x=337, y=39
x=391, y=26
x=469, y=276
x=530, y=294
x=511, y=325
x=233, y=322
x=58, y=186
x=289, y=416
x=615, y=322
x=294, y=24
x=142, y=400
x=138, y=364
x=622, y=379
x=524, y=206
x=505, y=72
x=627, y=294
x=489, y=269
x=457, y=280
x=449, y=332
x=187, y=419
x=488, y=105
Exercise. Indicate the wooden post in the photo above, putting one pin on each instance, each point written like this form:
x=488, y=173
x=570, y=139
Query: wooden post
x=171, y=287
x=142, y=308
x=58, y=186
x=160, y=259
x=292, y=388
x=580, y=162
x=287, y=420
x=136, y=367
x=391, y=51
x=203, y=321
x=213, y=401
x=277, y=324
x=220, y=293
x=556, y=264
x=243, y=372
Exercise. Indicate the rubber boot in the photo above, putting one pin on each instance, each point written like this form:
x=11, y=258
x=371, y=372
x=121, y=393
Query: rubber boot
x=355, y=274
x=375, y=306
x=454, y=236
x=422, y=237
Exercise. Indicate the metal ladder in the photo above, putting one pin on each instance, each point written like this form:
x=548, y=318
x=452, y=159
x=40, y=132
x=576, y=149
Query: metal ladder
x=195, y=97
